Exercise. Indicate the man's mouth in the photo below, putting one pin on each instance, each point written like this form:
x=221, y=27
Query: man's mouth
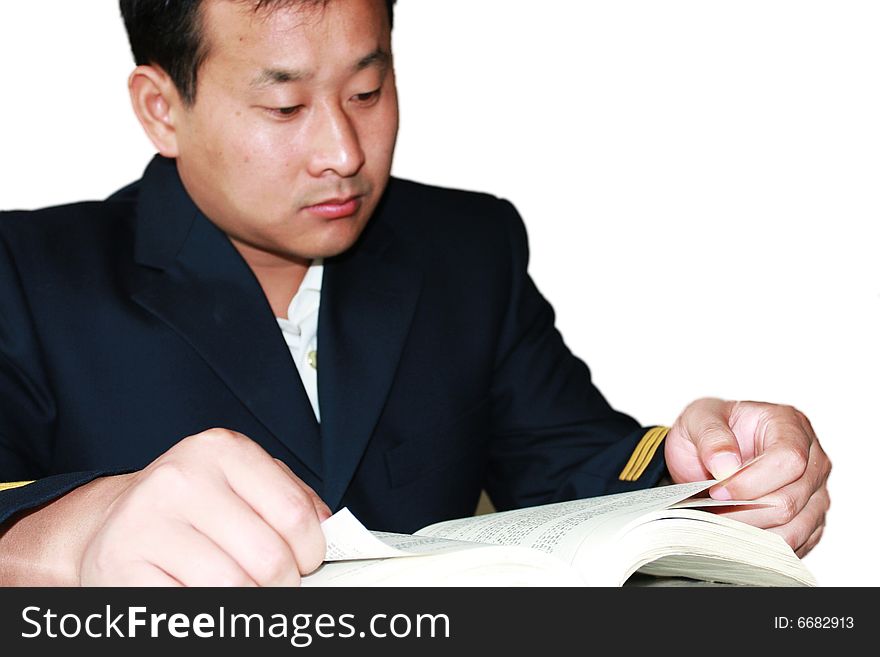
x=336, y=208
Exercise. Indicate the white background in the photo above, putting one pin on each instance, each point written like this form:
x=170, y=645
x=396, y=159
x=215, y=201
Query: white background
x=699, y=180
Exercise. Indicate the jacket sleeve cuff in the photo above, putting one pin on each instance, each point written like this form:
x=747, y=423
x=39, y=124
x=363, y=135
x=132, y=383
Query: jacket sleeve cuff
x=646, y=464
x=23, y=495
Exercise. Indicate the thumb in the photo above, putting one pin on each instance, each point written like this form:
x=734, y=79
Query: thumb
x=718, y=449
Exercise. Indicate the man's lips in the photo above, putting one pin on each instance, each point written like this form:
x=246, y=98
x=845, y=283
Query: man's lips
x=336, y=208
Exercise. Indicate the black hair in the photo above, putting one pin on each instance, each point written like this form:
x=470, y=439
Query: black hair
x=169, y=33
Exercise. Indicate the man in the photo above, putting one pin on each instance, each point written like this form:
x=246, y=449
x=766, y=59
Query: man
x=265, y=328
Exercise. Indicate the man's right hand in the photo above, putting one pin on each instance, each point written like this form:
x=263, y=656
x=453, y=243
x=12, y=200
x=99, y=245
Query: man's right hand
x=214, y=510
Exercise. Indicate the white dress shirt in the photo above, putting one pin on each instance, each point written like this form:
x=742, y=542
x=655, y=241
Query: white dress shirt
x=300, y=330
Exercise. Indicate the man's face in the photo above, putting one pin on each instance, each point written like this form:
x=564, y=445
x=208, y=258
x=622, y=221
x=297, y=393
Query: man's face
x=288, y=146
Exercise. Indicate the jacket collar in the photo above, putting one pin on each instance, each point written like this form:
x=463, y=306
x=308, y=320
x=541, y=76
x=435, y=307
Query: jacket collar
x=196, y=282
x=165, y=214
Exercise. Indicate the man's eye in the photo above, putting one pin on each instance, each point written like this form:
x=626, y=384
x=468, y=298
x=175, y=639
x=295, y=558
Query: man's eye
x=284, y=112
x=368, y=96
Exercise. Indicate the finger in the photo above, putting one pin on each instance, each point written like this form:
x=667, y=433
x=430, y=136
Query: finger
x=682, y=458
x=283, y=502
x=784, y=461
x=797, y=532
x=191, y=557
x=800, y=529
x=237, y=529
x=811, y=542
x=706, y=424
x=321, y=507
x=781, y=508
x=141, y=573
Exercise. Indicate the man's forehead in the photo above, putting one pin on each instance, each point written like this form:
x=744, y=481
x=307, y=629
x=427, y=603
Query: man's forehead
x=244, y=21
x=283, y=40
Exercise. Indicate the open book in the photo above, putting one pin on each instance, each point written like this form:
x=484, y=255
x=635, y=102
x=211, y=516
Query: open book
x=598, y=541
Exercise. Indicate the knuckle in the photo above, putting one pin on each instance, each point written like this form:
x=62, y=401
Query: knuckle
x=169, y=479
x=825, y=500
x=827, y=466
x=301, y=531
x=785, y=413
x=273, y=564
x=791, y=411
x=805, y=422
x=220, y=445
x=214, y=436
x=101, y=562
x=299, y=515
x=786, y=509
x=795, y=466
x=791, y=462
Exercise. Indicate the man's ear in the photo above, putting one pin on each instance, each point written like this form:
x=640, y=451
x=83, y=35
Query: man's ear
x=158, y=105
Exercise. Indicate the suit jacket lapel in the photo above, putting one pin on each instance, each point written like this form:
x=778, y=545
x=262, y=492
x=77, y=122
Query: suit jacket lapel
x=367, y=305
x=196, y=282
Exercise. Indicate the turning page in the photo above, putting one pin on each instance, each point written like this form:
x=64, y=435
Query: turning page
x=560, y=529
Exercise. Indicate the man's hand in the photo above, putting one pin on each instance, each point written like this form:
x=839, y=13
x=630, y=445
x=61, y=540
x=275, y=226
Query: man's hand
x=214, y=510
x=712, y=438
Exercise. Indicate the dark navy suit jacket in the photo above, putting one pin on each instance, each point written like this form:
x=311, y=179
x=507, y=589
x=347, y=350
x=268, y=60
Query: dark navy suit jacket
x=129, y=324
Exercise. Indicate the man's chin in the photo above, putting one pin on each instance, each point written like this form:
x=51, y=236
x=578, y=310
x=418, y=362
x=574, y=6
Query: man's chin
x=335, y=243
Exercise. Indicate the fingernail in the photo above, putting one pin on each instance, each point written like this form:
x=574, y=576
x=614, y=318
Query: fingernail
x=720, y=493
x=723, y=465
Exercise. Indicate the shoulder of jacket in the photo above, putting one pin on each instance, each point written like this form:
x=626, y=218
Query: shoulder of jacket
x=429, y=210
x=405, y=191
x=61, y=221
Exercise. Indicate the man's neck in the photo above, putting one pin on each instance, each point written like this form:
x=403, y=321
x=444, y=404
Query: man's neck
x=279, y=277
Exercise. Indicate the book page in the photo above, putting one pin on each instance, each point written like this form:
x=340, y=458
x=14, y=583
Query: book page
x=691, y=543
x=347, y=539
x=566, y=528
x=707, y=502
x=358, y=557
x=478, y=565
x=472, y=547
x=559, y=529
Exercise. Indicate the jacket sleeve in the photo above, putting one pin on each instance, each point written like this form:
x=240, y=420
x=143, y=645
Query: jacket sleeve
x=27, y=407
x=555, y=437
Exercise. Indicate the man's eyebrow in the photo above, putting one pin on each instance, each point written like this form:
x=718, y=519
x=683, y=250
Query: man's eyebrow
x=272, y=76
x=378, y=58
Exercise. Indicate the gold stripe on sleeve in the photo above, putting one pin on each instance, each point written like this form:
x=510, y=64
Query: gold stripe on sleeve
x=643, y=453
x=647, y=454
x=13, y=484
x=638, y=454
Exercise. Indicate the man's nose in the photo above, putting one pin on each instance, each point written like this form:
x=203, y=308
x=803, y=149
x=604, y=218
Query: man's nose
x=336, y=145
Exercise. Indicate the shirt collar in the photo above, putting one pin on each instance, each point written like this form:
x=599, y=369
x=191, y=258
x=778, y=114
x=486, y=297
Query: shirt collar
x=307, y=298
x=314, y=276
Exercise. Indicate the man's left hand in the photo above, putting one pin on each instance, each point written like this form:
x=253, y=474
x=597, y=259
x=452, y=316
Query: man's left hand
x=712, y=438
